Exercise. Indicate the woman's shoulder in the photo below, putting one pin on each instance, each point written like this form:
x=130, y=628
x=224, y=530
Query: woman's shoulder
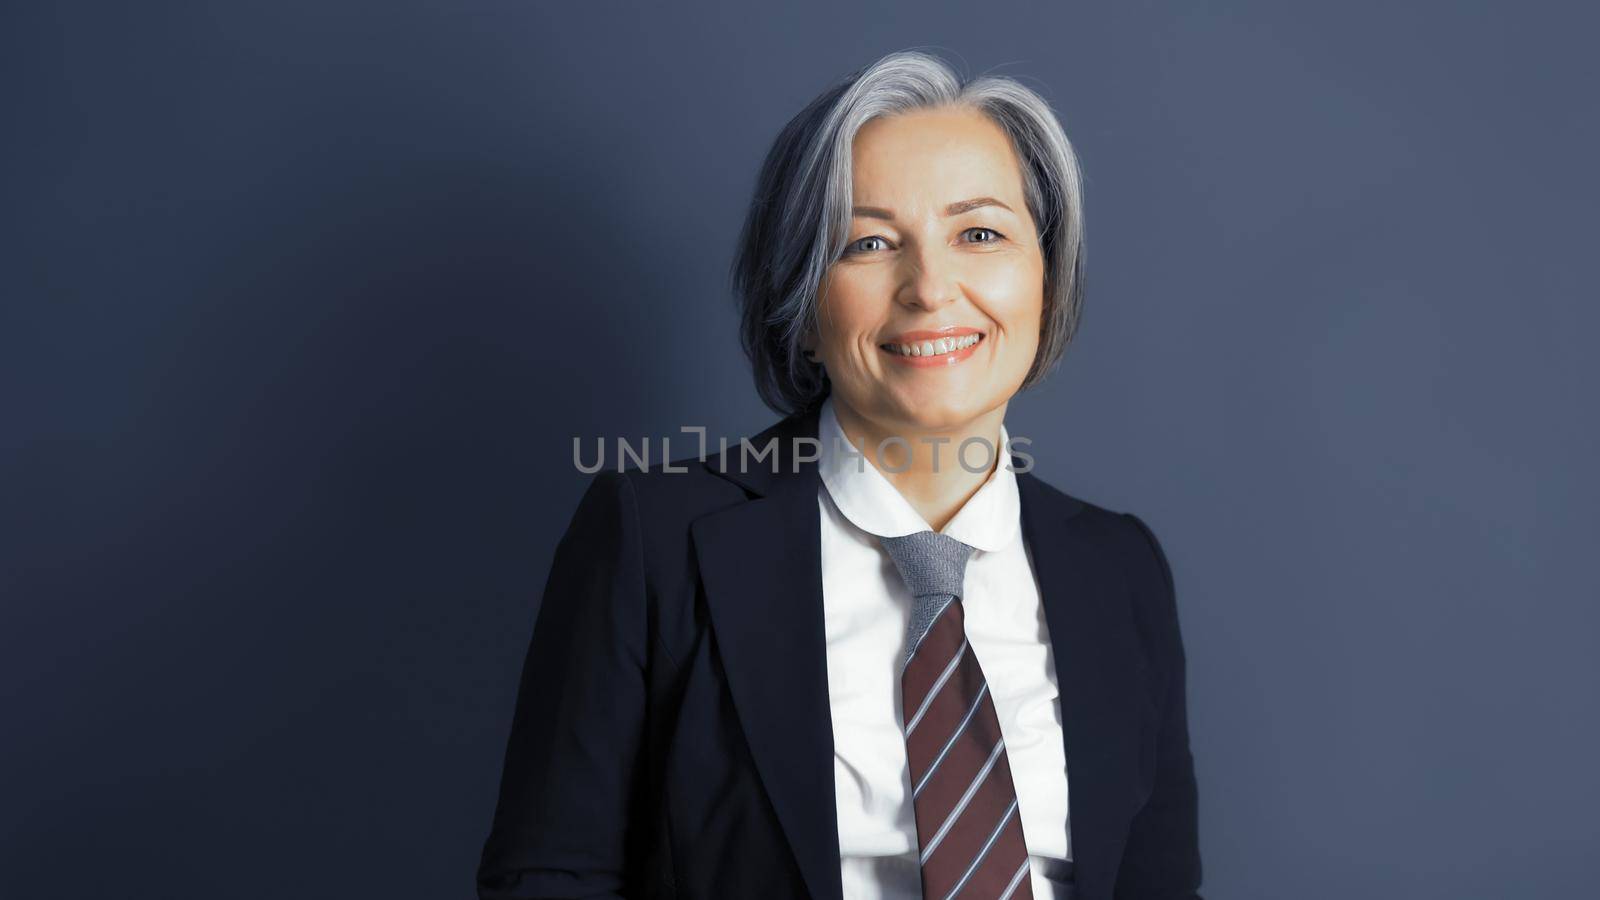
x=1056, y=504
x=1120, y=535
x=665, y=494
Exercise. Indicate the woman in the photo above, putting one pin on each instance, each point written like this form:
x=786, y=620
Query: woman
x=855, y=668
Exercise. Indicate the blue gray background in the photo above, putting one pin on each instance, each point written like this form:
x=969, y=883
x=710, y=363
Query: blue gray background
x=305, y=302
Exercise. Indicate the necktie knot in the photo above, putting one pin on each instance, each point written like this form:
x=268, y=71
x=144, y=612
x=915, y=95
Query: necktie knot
x=932, y=564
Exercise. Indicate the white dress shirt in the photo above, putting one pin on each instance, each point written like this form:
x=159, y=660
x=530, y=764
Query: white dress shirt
x=867, y=607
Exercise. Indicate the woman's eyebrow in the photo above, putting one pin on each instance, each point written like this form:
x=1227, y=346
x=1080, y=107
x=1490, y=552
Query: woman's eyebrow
x=954, y=209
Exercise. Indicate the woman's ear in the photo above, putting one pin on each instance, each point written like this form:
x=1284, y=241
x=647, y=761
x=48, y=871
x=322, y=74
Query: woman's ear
x=808, y=348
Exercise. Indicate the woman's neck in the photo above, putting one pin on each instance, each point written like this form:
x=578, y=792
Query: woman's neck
x=933, y=479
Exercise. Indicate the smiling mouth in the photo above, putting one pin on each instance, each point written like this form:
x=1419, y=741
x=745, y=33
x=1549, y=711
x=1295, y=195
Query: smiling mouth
x=935, y=347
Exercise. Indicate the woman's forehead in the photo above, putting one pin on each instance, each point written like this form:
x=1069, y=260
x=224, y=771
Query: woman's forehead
x=935, y=159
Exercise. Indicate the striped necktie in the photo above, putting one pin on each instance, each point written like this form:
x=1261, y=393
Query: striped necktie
x=969, y=829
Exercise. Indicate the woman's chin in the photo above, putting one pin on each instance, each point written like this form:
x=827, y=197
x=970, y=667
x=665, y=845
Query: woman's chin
x=941, y=413
x=923, y=405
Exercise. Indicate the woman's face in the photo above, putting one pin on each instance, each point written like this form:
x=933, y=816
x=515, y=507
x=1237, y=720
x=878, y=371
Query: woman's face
x=932, y=316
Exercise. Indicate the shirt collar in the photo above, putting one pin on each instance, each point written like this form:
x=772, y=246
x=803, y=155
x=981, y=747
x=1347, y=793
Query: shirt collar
x=989, y=520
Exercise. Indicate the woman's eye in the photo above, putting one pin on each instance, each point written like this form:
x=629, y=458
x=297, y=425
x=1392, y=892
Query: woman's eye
x=875, y=242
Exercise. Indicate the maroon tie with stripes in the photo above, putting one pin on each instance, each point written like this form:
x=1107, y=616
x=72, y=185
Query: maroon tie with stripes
x=969, y=828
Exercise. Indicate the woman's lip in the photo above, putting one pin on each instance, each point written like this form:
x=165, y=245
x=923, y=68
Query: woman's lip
x=925, y=334
x=937, y=359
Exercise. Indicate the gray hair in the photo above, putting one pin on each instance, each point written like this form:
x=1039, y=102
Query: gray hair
x=800, y=216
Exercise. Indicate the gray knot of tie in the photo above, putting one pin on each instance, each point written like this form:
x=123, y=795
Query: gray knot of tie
x=931, y=563
x=934, y=566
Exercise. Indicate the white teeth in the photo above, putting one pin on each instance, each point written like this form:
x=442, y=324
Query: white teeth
x=935, y=348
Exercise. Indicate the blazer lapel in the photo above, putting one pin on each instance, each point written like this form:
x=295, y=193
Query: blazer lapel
x=761, y=565
x=1101, y=671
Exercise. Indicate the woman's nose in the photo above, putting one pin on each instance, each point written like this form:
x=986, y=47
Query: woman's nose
x=929, y=280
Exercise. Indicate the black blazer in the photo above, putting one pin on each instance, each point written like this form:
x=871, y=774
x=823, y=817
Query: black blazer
x=672, y=735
